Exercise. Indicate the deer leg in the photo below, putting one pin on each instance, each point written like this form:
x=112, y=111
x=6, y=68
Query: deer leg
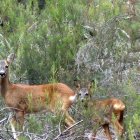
x=119, y=127
x=118, y=123
x=17, y=123
x=19, y=120
x=121, y=118
x=68, y=119
x=107, y=131
x=12, y=123
x=121, y=121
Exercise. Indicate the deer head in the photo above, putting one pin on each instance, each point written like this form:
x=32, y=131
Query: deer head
x=84, y=90
x=4, y=65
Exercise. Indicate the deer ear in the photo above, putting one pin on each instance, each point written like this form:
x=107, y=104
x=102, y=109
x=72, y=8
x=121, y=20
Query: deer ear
x=10, y=58
x=76, y=83
x=91, y=84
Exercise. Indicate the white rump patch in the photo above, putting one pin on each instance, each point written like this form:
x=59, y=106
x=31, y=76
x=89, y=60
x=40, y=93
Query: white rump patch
x=72, y=98
x=119, y=106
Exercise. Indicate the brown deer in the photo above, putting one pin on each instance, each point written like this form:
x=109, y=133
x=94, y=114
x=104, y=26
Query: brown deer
x=116, y=106
x=23, y=99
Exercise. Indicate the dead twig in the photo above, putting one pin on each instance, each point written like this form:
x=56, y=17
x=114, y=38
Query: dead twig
x=67, y=130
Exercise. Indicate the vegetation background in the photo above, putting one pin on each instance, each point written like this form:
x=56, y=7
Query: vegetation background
x=59, y=41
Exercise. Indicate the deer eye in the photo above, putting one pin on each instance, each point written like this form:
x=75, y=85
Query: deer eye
x=79, y=94
x=86, y=94
x=6, y=66
x=77, y=86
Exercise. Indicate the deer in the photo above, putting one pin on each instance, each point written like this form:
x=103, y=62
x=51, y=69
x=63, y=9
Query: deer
x=117, y=107
x=24, y=99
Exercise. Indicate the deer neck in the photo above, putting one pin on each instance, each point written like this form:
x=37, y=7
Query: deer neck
x=4, y=84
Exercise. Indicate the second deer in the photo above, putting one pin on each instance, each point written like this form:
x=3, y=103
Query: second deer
x=117, y=107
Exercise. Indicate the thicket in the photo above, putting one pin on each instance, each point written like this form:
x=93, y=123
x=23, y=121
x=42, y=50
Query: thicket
x=63, y=40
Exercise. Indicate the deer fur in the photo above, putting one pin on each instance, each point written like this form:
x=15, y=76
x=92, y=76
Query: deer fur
x=23, y=99
x=117, y=107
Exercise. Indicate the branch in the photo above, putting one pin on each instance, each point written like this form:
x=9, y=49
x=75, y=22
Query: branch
x=67, y=129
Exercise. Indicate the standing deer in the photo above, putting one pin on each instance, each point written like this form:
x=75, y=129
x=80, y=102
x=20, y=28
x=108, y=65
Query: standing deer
x=117, y=107
x=23, y=99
